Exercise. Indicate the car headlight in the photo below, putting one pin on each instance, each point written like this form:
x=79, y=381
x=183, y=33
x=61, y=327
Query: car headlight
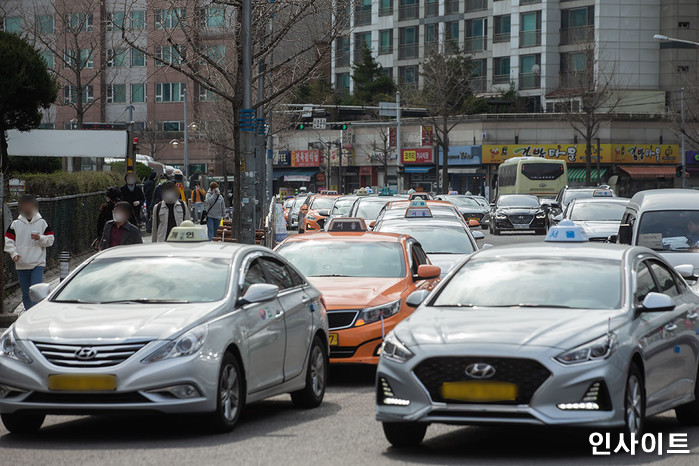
x=601, y=348
x=373, y=314
x=500, y=217
x=11, y=348
x=541, y=215
x=185, y=345
x=393, y=349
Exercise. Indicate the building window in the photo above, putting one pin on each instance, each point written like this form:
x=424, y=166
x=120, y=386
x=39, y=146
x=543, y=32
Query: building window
x=385, y=41
x=172, y=125
x=12, y=24
x=385, y=7
x=213, y=17
x=47, y=125
x=70, y=58
x=169, y=92
x=574, y=70
x=362, y=40
x=476, y=30
x=70, y=94
x=45, y=24
x=479, y=75
x=529, y=71
x=342, y=83
x=451, y=6
x=501, y=70
x=577, y=25
x=431, y=8
x=407, y=9
x=115, y=21
x=431, y=43
x=169, y=19
x=138, y=58
x=214, y=52
x=530, y=32
x=116, y=58
x=168, y=55
x=388, y=72
x=502, y=29
x=683, y=68
x=206, y=95
x=78, y=22
x=138, y=93
x=683, y=25
x=362, y=13
x=49, y=58
x=116, y=93
x=408, y=76
x=407, y=43
x=451, y=42
x=138, y=20
x=342, y=50
x=476, y=5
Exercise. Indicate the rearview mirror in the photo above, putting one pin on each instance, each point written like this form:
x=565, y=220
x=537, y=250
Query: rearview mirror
x=416, y=298
x=657, y=302
x=39, y=292
x=685, y=270
x=425, y=271
x=477, y=235
x=625, y=234
x=258, y=293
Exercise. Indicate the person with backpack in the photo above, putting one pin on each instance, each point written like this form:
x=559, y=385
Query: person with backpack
x=26, y=241
x=197, y=200
x=119, y=231
x=215, y=209
x=169, y=213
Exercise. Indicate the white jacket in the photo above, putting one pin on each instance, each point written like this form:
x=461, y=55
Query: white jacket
x=18, y=241
x=160, y=217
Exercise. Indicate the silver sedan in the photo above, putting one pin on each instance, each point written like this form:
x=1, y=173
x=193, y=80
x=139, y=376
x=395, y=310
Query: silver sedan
x=172, y=328
x=558, y=334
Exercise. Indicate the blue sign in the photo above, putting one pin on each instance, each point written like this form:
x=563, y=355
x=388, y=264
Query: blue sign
x=462, y=155
x=282, y=158
x=693, y=157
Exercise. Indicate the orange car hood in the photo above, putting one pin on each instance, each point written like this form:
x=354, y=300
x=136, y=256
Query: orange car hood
x=357, y=293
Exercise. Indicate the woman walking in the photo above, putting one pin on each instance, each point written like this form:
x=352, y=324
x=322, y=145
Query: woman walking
x=215, y=209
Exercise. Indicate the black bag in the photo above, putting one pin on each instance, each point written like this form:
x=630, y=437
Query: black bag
x=205, y=213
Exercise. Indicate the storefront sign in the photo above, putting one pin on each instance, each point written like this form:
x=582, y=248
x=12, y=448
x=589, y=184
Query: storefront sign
x=421, y=155
x=365, y=171
x=347, y=157
x=693, y=157
x=282, y=158
x=427, y=136
x=392, y=137
x=305, y=158
x=17, y=186
x=297, y=178
x=462, y=155
x=575, y=153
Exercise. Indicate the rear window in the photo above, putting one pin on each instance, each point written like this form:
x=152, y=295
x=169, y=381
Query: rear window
x=542, y=171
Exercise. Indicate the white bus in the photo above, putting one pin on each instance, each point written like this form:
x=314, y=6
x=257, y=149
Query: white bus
x=532, y=175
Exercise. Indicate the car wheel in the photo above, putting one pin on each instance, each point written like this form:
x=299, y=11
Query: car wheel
x=634, y=403
x=496, y=232
x=23, y=423
x=316, y=376
x=404, y=434
x=541, y=231
x=231, y=395
x=688, y=413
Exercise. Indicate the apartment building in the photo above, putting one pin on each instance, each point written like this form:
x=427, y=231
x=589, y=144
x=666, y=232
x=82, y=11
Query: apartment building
x=534, y=46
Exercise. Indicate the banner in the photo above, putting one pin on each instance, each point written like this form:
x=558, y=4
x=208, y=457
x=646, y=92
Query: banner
x=420, y=155
x=305, y=158
x=427, y=136
x=575, y=153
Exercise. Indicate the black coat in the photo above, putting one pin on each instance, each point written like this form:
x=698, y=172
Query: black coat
x=131, y=197
x=148, y=188
x=106, y=211
x=132, y=235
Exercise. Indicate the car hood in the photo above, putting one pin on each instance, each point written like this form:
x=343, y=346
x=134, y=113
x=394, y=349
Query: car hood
x=49, y=321
x=446, y=262
x=600, y=229
x=517, y=211
x=556, y=328
x=676, y=258
x=357, y=293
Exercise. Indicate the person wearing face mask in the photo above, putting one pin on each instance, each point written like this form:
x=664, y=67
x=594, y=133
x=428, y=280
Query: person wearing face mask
x=119, y=231
x=26, y=241
x=215, y=209
x=133, y=194
x=169, y=213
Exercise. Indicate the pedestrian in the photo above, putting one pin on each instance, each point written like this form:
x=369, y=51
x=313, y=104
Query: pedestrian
x=148, y=188
x=119, y=231
x=157, y=192
x=197, y=200
x=111, y=197
x=169, y=213
x=26, y=241
x=215, y=209
x=133, y=195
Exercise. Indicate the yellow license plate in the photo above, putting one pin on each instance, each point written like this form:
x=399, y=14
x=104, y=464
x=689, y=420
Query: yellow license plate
x=473, y=218
x=82, y=382
x=475, y=391
x=333, y=339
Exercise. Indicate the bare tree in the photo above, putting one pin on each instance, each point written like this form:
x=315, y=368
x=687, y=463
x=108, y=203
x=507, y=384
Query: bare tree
x=151, y=140
x=381, y=150
x=690, y=126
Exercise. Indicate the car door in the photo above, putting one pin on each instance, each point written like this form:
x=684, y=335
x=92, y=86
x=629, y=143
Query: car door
x=263, y=330
x=297, y=306
x=418, y=257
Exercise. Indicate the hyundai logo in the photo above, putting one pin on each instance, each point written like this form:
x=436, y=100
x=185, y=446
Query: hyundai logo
x=86, y=353
x=480, y=370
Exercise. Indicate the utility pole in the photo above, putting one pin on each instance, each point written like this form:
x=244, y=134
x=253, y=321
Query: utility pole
x=248, y=221
x=339, y=167
x=599, y=156
x=398, y=147
x=186, y=139
x=683, y=155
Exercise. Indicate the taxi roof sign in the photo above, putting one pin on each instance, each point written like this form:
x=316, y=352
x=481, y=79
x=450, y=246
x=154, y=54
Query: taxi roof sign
x=453, y=192
x=604, y=192
x=566, y=232
x=420, y=195
x=347, y=224
x=418, y=212
x=418, y=203
x=362, y=192
x=188, y=232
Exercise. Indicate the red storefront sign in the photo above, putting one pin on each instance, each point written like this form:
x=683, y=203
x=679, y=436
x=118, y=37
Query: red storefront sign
x=420, y=155
x=305, y=158
x=427, y=135
x=365, y=171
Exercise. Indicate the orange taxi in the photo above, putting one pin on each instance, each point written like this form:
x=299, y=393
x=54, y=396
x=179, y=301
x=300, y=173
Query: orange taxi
x=314, y=212
x=365, y=278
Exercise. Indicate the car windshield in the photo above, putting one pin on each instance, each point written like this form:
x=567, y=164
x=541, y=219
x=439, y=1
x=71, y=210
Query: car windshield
x=670, y=230
x=298, y=202
x=149, y=279
x=463, y=201
x=343, y=206
x=518, y=201
x=444, y=210
x=597, y=211
x=322, y=203
x=569, y=195
x=534, y=282
x=481, y=201
x=436, y=240
x=288, y=203
x=381, y=259
x=369, y=209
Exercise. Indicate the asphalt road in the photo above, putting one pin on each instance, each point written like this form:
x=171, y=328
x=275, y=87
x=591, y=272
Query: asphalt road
x=340, y=432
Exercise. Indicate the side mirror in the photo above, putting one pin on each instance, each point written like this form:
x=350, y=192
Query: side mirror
x=39, y=292
x=625, y=234
x=685, y=270
x=425, y=272
x=487, y=246
x=416, y=298
x=258, y=293
x=657, y=302
x=492, y=204
x=324, y=212
x=478, y=235
x=612, y=238
x=372, y=224
x=558, y=218
x=474, y=223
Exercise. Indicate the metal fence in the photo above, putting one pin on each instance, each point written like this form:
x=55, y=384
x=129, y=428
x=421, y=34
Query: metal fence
x=73, y=220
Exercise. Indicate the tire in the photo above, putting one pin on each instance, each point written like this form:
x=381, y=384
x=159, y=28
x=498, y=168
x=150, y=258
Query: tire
x=404, y=434
x=316, y=378
x=484, y=227
x=541, y=231
x=688, y=413
x=634, y=403
x=23, y=423
x=230, y=396
x=496, y=232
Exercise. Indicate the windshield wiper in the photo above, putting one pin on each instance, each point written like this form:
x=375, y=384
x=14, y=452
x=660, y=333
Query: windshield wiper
x=74, y=301
x=145, y=301
x=557, y=306
x=454, y=305
x=331, y=275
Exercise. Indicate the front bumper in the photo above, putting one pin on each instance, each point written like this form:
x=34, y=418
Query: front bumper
x=360, y=345
x=508, y=224
x=135, y=381
x=565, y=384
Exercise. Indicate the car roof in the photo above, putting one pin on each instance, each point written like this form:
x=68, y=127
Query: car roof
x=342, y=236
x=667, y=199
x=602, y=200
x=420, y=222
x=589, y=250
x=405, y=203
x=202, y=249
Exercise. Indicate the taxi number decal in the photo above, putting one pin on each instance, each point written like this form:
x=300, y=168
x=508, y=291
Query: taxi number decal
x=333, y=339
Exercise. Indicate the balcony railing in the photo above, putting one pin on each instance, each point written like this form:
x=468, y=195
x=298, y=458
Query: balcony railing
x=362, y=15
x=385, y=49
x=528, y=2
x=407, y=51
x=475, y=44
x=529, y=81
x=407, y=12
x=431, y=9
x=530, y=38
x=386, y=10
x=501, y=37
x=577, y=35
x=501, y=79
x=475, y=5
x=479, y=84
x=451, y=45
x=576, y=79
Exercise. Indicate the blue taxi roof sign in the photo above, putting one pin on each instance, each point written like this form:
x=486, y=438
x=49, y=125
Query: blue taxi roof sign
x=603, y=192
x=453, y=192
x=418, y=211
x=347, y=224
x=566, y=232
x=188, y=232
x=417, y=203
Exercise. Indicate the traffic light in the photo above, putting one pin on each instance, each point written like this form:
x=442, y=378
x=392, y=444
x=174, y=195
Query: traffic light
x=339, y=126
x=301, y=126
x=135, y=145
x=679, y=171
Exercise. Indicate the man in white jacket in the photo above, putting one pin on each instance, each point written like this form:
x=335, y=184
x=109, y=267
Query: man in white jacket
x=26, y=241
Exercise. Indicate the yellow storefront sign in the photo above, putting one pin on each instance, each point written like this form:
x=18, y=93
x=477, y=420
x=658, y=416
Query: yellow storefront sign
x=575, y=153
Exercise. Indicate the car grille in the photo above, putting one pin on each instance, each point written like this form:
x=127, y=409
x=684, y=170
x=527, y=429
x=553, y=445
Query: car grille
x=477, y=216
x=87, y=398
x=341, y=319
x=321, y=223
x=66, y=355
x=342, y=351
x=521, y=219
x=527, y=374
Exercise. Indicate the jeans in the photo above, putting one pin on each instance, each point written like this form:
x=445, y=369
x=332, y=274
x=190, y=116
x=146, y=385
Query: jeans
x=28, y=278
x=211, y=226
x=198, y=209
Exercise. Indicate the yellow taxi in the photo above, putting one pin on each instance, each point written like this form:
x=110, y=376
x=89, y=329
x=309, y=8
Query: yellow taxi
x=316, y=209
x=365, y=278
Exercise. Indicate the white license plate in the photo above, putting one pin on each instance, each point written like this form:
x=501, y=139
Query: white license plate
x=521, y=227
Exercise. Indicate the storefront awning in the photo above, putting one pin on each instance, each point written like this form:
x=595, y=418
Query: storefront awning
x=466, y=171
x=577, y=175
x=650, y=172
x=294, y=174
x=409, y=169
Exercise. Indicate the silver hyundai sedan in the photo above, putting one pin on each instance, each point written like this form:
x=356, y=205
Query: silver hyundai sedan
x=558, y=334
x=172, y=328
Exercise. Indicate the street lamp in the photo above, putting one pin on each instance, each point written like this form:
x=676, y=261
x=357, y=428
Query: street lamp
x=664, y=38
x=175, y=143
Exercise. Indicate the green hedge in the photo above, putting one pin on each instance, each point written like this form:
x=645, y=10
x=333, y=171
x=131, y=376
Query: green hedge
x=64, y=183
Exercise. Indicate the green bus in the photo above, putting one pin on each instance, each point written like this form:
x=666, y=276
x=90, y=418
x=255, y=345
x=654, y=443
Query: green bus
x=532, y=175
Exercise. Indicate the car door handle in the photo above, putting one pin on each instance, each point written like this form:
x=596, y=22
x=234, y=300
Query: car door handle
x=279, y=315
x=670, y=327
x=692, y=316
x=306, y=300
